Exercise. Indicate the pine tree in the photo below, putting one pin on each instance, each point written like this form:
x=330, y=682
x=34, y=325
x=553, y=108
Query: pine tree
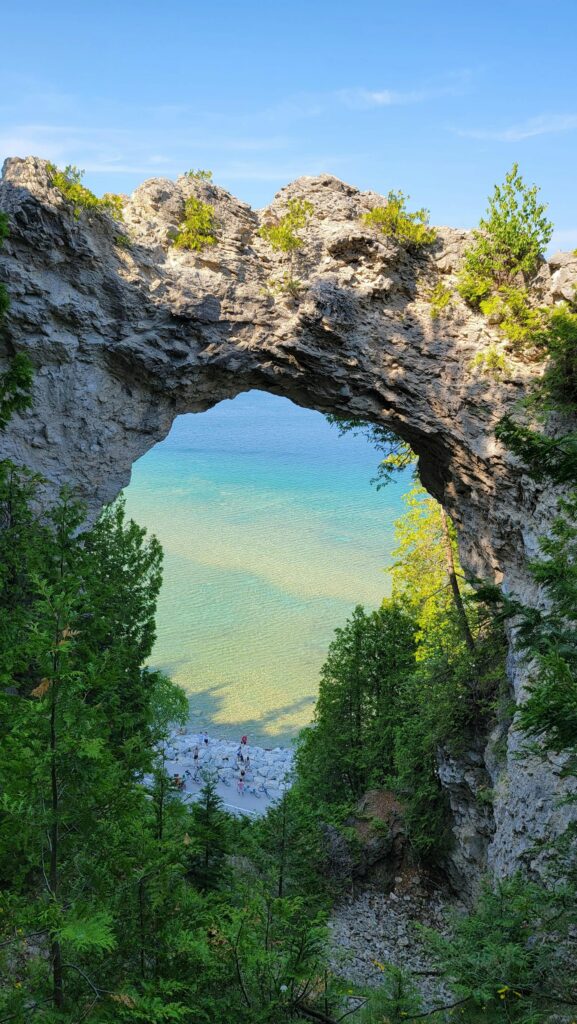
x=209, y=832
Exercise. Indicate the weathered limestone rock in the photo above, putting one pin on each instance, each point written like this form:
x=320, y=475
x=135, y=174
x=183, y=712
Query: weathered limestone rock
x=126, y=337
x=469, y=788
x=379, y=849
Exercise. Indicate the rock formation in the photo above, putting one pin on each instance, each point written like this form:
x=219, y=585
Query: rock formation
x=125, y=333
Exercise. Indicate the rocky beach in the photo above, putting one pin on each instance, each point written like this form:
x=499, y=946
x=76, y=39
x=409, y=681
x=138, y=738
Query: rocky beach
x=267, y=772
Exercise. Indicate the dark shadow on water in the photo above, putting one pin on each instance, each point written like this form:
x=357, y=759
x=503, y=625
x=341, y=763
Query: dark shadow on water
x=206, y=706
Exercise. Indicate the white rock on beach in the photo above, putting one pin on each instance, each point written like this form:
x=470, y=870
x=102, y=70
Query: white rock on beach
x=266, y=778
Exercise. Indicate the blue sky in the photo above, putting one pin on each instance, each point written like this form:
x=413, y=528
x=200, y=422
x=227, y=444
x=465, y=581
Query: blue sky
x=435, y=98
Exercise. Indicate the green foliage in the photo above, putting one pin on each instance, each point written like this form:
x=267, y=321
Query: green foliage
x=168, y=704
x=473, y=288
x=558, y=387
x=118, y=901
x=459, y=667
x=86, y=933
x=398, y=454
x=491, y=362
x=123, y=241
x=113, y=203
x=349, y=747
x=209, y=833
x=285, y=846
x=15, y=388
x=506, y=960
x=284, y=235
x=199, y=175
x=509, y=242
x=506, y=251
x=280, y=956
x=521, y=324
x=419, y=572
x=548, y=458
x=395, y=221
x=395, y=1001
x=284, y=285
x=76, y=621
x=153, y=1003
x=69, y=184
x=400, y=683
x=444, y=691
x=199, y=226
x=440, y=299
x=420, y=731
x=549, y=637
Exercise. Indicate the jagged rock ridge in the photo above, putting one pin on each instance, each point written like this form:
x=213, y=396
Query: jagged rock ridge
x=124, y=337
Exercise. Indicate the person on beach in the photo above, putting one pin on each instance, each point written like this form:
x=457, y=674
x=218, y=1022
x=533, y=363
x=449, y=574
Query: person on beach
x=195, y=763
x=205, y=738
x=240, y=783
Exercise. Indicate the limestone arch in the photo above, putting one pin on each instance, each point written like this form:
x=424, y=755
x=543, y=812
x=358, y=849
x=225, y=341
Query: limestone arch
x=124, y=338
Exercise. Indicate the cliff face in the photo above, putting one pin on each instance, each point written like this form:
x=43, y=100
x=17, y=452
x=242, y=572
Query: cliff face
x=124, y=337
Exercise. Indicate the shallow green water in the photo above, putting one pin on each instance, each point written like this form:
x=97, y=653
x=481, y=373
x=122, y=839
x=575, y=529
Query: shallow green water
x=271, y=533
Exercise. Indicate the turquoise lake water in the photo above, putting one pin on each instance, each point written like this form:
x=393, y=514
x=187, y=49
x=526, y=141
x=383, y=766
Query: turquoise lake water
x=272, y=534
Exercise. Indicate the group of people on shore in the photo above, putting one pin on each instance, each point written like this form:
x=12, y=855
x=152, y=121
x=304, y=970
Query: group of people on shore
x=242, y=764
x=199, y=752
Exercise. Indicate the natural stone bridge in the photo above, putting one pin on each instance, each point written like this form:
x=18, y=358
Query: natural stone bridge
x=124, y=337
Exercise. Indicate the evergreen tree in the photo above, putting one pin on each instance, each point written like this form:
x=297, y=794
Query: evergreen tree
x=350, y=744
x=69, y=759
x=509, y=242
x=285, y=845
x=209, y=833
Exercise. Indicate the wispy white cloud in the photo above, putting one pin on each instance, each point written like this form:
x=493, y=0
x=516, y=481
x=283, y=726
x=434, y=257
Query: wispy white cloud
x=309, y=105
x=267, y=144
x=545, y=124
x=126, y=151
x=367, y=98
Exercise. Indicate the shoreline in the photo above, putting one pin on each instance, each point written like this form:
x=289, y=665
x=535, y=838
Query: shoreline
x=266, y=775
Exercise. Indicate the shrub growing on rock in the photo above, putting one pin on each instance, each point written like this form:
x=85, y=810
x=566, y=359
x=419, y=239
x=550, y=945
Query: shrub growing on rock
x=283, y=236
x=520, y=322
x=506, y=250
x=69, y=184
x=284, y=285
x=491, y=362
x=199, y=226
x=509, y=241
x=395, y=221
x=440, y=299
x=199, y=175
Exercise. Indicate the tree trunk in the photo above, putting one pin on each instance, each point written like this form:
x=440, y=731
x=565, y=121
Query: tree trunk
x=281, y=867
x=55, y=950
x=461, y=613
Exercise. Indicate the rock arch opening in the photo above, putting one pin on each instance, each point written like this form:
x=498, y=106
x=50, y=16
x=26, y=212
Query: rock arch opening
x=272, y=534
